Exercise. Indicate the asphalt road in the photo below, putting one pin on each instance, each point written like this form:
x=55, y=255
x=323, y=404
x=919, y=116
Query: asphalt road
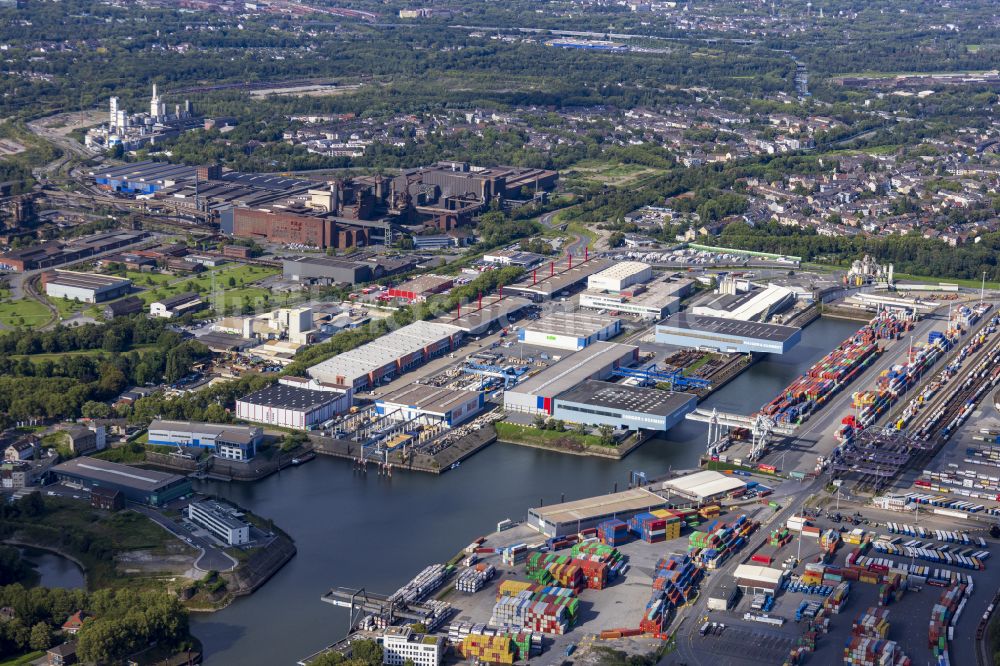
x=212, y=557
x=574, y=247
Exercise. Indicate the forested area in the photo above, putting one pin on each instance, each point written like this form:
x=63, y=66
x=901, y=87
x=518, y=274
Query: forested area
x=910, y=254
x=59, y=383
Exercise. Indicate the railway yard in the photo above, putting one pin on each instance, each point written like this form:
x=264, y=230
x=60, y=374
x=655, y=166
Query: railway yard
x=858, y=532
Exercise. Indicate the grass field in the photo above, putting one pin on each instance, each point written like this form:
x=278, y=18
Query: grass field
x=609, y=173
x=24, y=659
x=971, y=284
x=511, y=432
x=25, y=312
x=216, y=281
x=38, y=358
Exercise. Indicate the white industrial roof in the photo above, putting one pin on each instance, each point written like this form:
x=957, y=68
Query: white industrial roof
x=704, y=484
x=574, y=324
x=622, y=270
x=383, y=351
x=757, y=573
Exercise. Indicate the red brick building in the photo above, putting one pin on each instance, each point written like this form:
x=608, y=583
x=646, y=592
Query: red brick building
x=291, y=228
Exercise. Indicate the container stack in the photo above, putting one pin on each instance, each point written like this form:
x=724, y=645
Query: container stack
x=871, y=623
x=489, y=649
x=867, y=651
x=892, y=588
x=648, y=527
x=836, y=601
x=720, y=540
x=942, y=616
x=475, y=578
x=514, y=555
x=422, y=584
x=613, y=532
x=674, y=522
x=540, y=616
x=780, y=537
x=834, y=371
x=655, y=616
x=676, y=575
x=512, y=588
x=813, y=574
x=567, y=571
x=593, y=551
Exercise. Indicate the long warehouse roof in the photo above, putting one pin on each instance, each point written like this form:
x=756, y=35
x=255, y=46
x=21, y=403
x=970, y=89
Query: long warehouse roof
x=704, y=484
x=428, y=398
x=574, y=324
x=636, y=499
x=729, y=327
x=760, y=574
x=575, y=368
x=385, y=350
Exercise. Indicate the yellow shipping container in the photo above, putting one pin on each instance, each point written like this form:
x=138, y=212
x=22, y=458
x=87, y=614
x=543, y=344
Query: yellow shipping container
x=512, y=588
x=491, y=649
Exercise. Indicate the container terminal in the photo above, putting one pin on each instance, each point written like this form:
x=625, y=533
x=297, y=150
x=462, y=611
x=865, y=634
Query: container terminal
x=851, y=519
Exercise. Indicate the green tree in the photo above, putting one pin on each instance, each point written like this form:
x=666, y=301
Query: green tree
x=41, y=636
x=95, y=410
x=367, y=651
x=607, y=434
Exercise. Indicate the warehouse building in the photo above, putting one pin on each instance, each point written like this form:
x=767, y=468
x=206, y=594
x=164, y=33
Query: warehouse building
x=142, y=177
x=571, y=517
x=56, y=253
x=620, y=276
x=752, y=579
x=293, y=406
x=420, y=287
x=85, y=287
x=389, y=356
x=143, y=486
x=621, y=406
x=476, y=320
x=450, y=406
x=221, y=521
x=739, y=299
x=232, y=442
x=176, y=306
x=537, y=394
x=551, y=281
x=726, y=335
x=723, y=596
x=569, y=330
x=654, y=301
x=327, y=269
x=704, y=487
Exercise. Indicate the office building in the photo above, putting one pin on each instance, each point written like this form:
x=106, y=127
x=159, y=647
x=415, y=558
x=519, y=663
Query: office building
x=726, y=335
x=569, y=330
x=232, y=442
x=84, y=287
x=402, y=645
x=220, y=520
x=143, y=486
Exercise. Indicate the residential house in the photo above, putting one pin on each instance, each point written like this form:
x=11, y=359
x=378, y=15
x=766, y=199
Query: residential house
x=75, y=622
x=22, y=449
x=62, y=655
